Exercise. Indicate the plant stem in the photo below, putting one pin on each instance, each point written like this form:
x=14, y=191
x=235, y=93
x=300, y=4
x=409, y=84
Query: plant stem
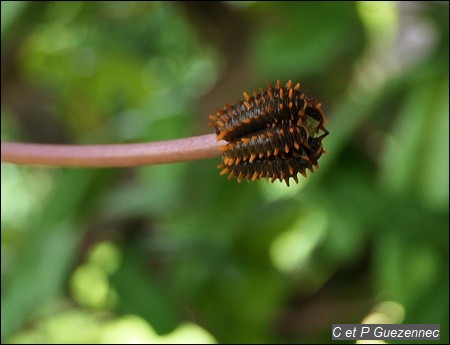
x=122, y=155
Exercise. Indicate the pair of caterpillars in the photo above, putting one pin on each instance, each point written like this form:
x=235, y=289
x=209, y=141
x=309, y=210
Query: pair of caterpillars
x=275, y=134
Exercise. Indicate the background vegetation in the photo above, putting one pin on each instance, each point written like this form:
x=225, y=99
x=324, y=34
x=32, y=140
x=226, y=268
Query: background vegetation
x=177, y=253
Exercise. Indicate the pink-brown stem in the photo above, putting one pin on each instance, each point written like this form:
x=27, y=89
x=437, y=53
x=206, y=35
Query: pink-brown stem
x=121, y=155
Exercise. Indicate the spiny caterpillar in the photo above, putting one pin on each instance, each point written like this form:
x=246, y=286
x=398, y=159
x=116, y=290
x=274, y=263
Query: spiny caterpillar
x=272, y=135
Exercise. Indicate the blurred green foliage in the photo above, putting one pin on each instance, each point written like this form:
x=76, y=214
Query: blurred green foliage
x=177, y=253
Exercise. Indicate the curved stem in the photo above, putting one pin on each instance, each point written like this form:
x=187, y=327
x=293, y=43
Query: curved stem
x=122, y=155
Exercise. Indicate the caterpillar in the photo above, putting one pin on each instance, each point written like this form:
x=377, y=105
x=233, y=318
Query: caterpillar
x=267, y=142
x=267, y=107
x=272, y=135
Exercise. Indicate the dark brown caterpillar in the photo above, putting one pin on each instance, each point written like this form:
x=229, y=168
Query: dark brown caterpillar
x=271, y=135
x=255, y=113
x=282, y=168
x=265, y=143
